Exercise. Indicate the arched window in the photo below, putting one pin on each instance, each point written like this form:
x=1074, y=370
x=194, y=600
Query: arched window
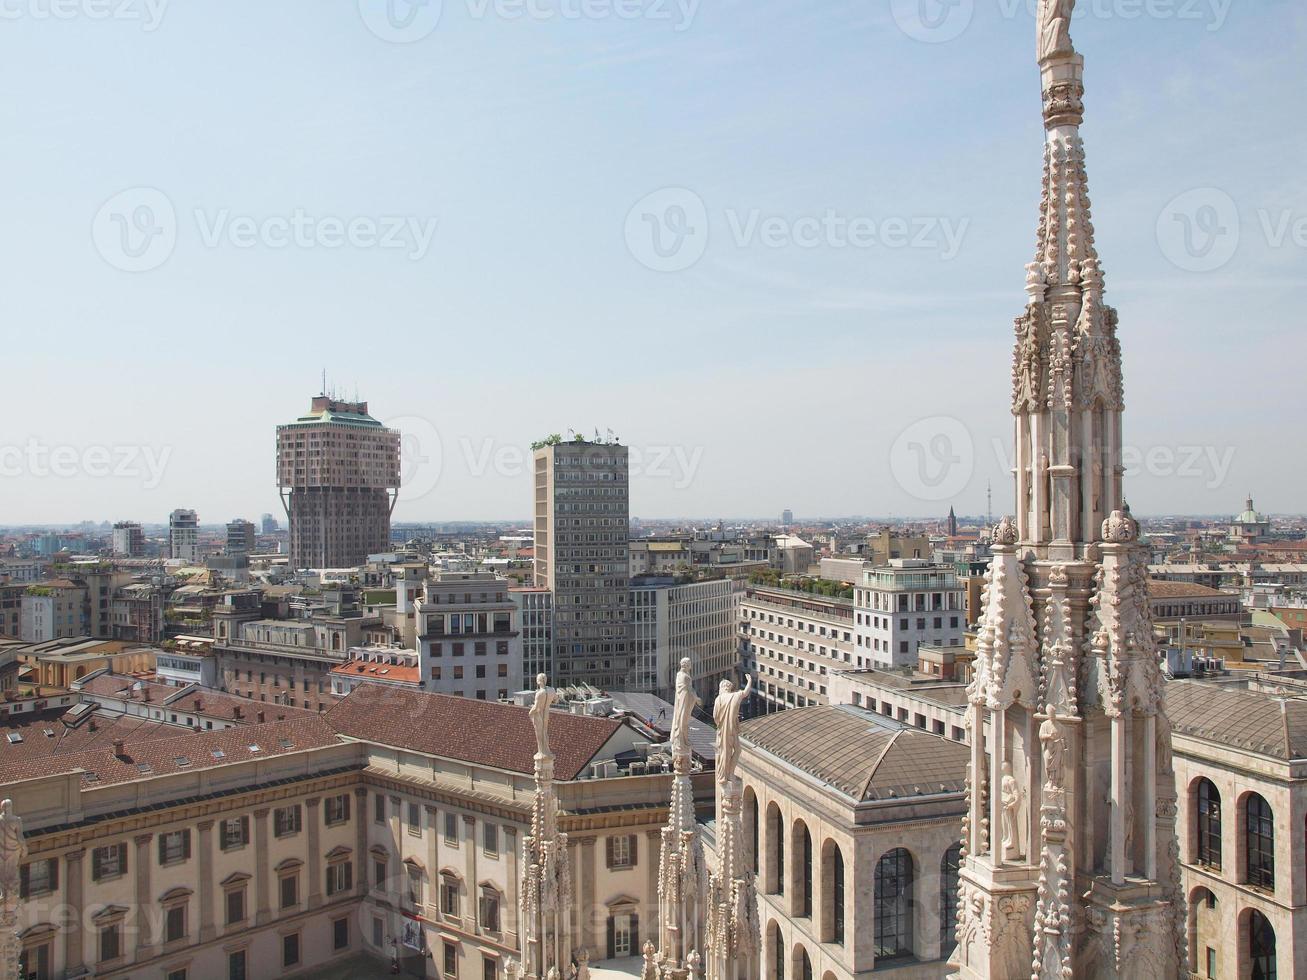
x=948, y=896
x=1261, y=947
x=802, y=964
x=837, y=896
x=775, y=870
x=751, y=816
x=1209, y=825
x=778, y=952
x=1259, y=836
x=893, y=909
x=803, y=844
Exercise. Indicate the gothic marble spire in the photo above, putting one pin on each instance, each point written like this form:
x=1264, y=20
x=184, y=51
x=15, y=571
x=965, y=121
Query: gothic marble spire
x=1070, y=862
x=545, y=893
x=682, y=881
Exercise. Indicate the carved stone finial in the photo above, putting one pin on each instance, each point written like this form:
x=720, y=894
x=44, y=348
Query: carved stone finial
x=1120, y=528
x=1005, y=532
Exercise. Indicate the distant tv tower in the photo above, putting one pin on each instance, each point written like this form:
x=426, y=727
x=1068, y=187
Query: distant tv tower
x=989, y=503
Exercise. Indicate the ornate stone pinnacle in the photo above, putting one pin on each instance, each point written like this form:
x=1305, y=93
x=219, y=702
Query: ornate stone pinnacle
x=1005, y=531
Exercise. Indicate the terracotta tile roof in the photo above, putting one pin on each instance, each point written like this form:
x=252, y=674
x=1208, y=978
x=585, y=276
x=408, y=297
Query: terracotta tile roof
x=860, y=754
x=202, y=701
x=1162, y=589
x=391, y=673
x=172, y=750
x=499, y=736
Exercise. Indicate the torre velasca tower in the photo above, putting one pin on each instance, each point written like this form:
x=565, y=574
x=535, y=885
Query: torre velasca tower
x=1071, y=865
x=338, y=470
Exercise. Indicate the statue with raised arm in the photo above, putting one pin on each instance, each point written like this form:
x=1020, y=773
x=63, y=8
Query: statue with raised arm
x=544, y=700
x=1055, y=27
x=683, y=710
x=13, y=849
x=726, y=716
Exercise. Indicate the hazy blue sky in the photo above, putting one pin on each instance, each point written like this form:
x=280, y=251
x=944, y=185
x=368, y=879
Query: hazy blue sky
x=224, y=150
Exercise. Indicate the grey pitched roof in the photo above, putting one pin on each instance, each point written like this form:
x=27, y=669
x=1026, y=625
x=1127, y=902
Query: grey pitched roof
x=859, y=753
x=1261, y=723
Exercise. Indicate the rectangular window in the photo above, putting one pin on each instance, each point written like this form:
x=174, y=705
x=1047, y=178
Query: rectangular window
x=414, y=819
x=174, y=924
x=290, y=891
x=111, y=944
x=379, y=871
x=234, y=833
x=109, y=862
x=621, y=852
x=489, y=911
x=177, y=974
x=449, y=896
x=451, y=828
x=379, y=808
x=340, y=934
x=489, y=968
x=490, y=838
x=451, y=960
x=174, y=847
x=236, y=965
x=414, y=887
x=287, y=820
x=378, y=931
x=336, y=810
x=290, y=950
x=340, y=877
x=235, y=906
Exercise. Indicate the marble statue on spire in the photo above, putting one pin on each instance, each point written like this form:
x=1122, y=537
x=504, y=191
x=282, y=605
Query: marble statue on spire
x=1070, y=864
x=545, y=889
x=726, y=716
x=682, y=876
x=733, y=938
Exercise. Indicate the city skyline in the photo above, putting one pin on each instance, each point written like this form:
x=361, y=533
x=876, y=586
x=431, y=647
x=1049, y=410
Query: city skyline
x=542, y=259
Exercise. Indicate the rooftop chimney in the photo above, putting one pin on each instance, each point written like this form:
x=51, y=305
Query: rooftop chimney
x=259, y=717
x=236, y=711
x=118, y=746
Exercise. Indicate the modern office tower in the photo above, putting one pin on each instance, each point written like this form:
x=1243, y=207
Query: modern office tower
x=184, y=535
x=582, y=516
x=787, y=517
x=338, y=471
x=904, y=605
x=671, y=621
x=269, y=524
x=535, y=612
x=128, y=540
x=469, y=643
x=240, y=537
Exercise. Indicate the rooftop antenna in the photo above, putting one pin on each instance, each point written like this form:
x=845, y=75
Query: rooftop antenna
x=324, y=381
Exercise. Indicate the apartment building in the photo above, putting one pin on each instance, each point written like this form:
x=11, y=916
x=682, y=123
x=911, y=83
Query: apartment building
x=241, y=536
x=128, y=540
x=535, y=617
x=385, y=832
x=469, y=642
x=791, y=642
x=184, y=535
x=582, y=526
x=11, y=609
x=338, y=472
x=904, y=605
x=54, y=610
